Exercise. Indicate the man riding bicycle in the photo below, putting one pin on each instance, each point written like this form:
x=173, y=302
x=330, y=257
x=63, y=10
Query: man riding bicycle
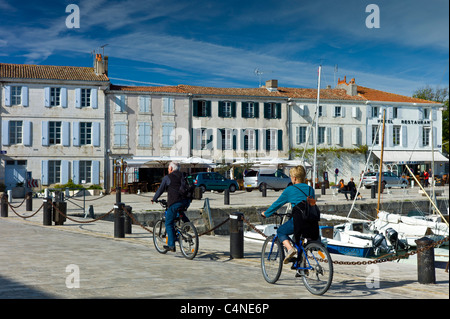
x=172, y=184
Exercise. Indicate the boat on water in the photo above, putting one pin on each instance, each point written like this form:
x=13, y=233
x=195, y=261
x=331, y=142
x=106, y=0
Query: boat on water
x=411, y=228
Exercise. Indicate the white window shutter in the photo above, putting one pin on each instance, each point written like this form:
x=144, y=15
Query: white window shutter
x=96, y=134
x=47, y=97
x=5, y=132
x=45, y=141
x=94, y=98
x=27, y=133
x=78, y=98
x=328, y=135
x=76, y=133
x=25, y=96
x=66, y=134
x=95, y=172
x=76, y=172
x=44, y=173
x=404, y=135
x=65, y=171
x=63, y=97
x=8, y=95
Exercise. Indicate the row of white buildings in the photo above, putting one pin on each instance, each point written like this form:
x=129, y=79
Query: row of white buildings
x=61, y=123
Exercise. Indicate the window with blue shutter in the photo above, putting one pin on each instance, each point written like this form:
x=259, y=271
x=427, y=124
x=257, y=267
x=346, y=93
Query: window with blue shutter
x=120, y=134
x=27, y=133
x=76, y=172
x=65, y=171
x=25, y=96
x=94, y=98
x=76, y=133
x=5, y=132
x=66, y=133
x=64, y=97
x=96, y=134
x=44, y=173
x=96, y=172
x=45, y=133
x=7, y=95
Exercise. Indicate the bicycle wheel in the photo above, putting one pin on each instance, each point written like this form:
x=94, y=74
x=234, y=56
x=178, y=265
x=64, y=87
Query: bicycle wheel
x=188, y=239
x=160, y=236
x=317, y=279
x=272, y=257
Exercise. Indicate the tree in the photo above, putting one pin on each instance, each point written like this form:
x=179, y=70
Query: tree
x=438, y=95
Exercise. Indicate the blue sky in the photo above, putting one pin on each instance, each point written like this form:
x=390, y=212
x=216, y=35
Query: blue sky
x=221, y=43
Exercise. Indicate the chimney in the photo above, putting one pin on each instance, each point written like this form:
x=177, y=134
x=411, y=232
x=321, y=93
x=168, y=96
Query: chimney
x=272, y=85
x=351, y=88
x=101, y=64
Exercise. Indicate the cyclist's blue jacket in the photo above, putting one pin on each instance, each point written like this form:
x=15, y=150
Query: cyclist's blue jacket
x=292, y=195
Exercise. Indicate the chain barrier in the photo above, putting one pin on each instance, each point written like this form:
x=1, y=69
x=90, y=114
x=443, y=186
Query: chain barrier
x=17, y=205
x=21, y=216
x=81, y=221
x=135, y=221
x=368, y=262
x=86, y=200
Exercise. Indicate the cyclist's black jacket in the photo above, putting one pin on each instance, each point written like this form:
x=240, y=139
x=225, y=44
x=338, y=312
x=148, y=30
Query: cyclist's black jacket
x=171, y=184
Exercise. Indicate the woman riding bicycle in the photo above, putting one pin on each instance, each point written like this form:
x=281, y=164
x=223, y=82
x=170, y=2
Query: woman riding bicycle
x=293, y=194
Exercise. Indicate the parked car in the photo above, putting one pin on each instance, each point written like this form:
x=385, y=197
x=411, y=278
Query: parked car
x=213, y=181
x=273, y=179
x=389, y=179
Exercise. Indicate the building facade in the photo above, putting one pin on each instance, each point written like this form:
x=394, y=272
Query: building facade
x=61, y=123
x=52, y=124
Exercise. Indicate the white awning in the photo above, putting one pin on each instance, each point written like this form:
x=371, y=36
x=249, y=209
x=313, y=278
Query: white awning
x=152, y=161
x=410, y=157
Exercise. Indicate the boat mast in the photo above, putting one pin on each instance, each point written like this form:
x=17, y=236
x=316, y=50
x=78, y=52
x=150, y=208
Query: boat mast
x=380, y=174
x=316, y=130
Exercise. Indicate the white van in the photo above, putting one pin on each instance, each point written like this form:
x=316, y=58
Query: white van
x=272, y=179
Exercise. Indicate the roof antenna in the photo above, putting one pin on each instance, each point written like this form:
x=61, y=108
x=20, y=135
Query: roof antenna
x=258, y=73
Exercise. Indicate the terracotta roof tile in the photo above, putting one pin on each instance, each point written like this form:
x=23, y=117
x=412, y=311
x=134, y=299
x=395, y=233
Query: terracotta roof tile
x=159, y=89
x=49, y=72
x=376, y=95
x=230, y=91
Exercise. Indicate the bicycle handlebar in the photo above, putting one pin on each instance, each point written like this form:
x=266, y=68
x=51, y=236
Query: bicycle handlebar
x=162, y=202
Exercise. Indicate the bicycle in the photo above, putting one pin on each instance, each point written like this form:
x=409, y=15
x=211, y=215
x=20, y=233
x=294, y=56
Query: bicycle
x=313, y=265
x=185, y=233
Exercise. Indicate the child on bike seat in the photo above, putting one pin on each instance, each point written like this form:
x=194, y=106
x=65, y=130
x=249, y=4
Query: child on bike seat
x=292, y=195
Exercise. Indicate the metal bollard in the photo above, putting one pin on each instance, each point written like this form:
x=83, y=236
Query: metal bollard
x=29, y=201
x=119, y=221
x=373, y=191
x=4, y=212
x=323, y=188
x=48, y=209
x=264, y=190
x=59, y=209
x=91, y=211
x=128, y=220
x=226, y=197
x=198, y=193
x=237, y=235
x=425, y=262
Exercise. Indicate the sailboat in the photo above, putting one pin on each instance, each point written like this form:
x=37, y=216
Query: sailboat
x=358, y=237
x=411, y=228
